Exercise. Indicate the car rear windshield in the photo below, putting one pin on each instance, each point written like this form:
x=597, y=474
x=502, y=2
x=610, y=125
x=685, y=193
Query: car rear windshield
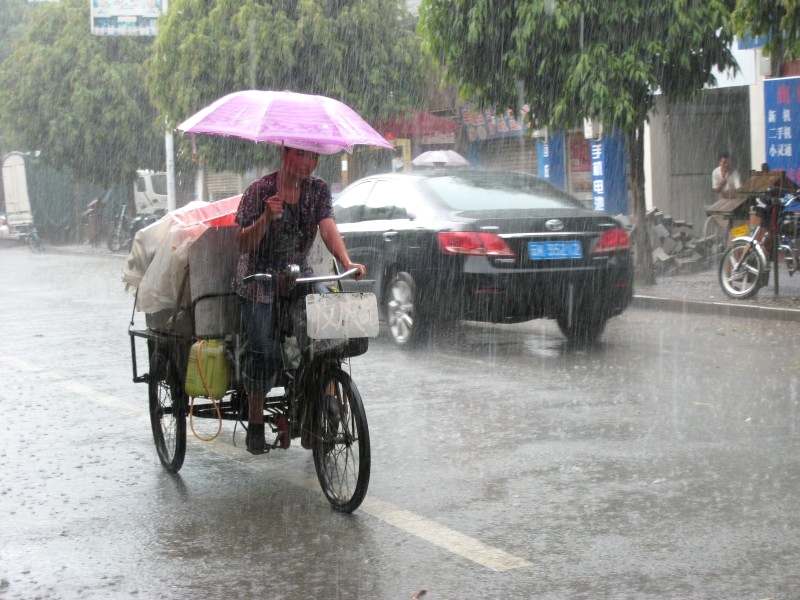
x=488, y=191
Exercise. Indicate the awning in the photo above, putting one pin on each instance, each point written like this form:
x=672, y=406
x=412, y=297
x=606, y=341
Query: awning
x=417, y=125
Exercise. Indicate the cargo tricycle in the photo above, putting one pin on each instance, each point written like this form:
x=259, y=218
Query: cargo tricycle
x=195, y=353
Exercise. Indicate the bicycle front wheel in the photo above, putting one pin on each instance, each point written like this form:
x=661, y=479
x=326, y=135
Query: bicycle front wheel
x=741, y=270
x=341, y=442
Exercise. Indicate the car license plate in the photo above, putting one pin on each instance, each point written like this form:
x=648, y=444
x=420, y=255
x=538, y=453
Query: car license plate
x=554, y=250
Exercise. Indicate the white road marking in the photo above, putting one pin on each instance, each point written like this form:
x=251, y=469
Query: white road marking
x=444, y=537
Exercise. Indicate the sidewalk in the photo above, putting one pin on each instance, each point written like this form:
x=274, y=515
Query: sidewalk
x=699, y=292
x=696, y=292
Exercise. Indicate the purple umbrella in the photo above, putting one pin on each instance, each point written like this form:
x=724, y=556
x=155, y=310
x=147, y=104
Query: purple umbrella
x=314, y=123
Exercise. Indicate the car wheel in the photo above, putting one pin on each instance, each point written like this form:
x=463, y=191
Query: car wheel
x=401, y=312
x=582, y=330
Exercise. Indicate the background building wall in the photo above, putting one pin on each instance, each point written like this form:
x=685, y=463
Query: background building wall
x=684, y=145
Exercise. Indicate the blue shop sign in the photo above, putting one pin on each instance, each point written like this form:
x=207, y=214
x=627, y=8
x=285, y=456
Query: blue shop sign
x=782, y=124
x=598, y=181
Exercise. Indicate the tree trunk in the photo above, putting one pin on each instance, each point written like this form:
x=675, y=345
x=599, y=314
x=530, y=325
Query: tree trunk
x=634, y=149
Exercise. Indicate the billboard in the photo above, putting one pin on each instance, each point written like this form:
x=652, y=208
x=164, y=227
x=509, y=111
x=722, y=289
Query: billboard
x=488, y=125
x=125, y=17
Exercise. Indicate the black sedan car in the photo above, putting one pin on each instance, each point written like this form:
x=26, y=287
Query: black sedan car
x=488, y=246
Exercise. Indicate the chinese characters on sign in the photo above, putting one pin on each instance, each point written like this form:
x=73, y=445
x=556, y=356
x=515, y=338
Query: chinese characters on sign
x=125, y=17
x=543, y=152
x=782, y=123
x=598, y=181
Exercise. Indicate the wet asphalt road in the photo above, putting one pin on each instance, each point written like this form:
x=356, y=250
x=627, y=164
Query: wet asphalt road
x=663, y=464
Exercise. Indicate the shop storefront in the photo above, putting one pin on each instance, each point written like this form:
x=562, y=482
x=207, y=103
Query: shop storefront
x=497, y=141
x=416, y=133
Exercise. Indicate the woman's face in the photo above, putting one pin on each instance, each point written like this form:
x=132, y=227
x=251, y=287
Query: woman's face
x=300, y=163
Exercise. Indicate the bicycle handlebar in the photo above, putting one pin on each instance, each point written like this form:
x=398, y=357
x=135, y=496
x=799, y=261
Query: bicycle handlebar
x=324, y=278
x=295, y=279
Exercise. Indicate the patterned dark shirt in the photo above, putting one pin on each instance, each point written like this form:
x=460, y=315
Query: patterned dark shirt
x=288, y=240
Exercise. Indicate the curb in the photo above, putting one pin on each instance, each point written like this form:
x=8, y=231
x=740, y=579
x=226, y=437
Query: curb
x=78, y=251
x=724, y=309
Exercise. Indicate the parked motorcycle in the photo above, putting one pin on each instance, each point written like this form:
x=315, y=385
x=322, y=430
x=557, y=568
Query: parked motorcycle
x=745, y=265
x=125, y=230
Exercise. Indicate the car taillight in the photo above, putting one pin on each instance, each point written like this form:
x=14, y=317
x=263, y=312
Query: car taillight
x=612, y=241
x=474, y=243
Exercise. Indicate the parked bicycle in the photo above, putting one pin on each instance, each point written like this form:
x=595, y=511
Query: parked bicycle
x=746, y=264
x=124, y=229
x=34, y=240
x=118, y=230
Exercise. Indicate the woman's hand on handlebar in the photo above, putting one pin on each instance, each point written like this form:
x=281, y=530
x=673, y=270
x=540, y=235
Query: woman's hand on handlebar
x=362, y=270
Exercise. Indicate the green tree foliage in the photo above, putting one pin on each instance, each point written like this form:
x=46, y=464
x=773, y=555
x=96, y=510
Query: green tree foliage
x=11, y=29
x=14, y=14
x=365, y=53
x=80, y=99
x=570, y=59
x=777, y=21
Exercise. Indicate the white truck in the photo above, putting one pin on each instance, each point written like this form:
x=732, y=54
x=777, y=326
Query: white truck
x=16, y=220
x=150, y=192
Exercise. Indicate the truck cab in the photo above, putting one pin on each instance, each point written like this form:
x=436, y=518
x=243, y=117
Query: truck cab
x=150, y=192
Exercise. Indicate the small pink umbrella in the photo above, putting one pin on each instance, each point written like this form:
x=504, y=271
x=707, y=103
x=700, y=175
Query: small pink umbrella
x=313, y=123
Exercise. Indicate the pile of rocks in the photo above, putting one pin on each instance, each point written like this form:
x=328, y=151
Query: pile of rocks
x=675, y=248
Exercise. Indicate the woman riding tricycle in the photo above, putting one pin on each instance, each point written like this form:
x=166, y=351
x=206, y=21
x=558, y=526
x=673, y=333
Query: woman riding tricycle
x=244, y=340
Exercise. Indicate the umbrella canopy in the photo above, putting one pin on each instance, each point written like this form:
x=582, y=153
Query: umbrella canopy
x=440, y=158
x=313, y=123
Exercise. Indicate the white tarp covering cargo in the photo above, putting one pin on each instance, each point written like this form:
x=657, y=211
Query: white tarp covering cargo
x=157, y=263
x=156, y=266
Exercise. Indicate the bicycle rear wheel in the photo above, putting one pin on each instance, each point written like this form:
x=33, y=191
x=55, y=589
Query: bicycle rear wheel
x=341, y=441
x=168, y=403
x=741, y=270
